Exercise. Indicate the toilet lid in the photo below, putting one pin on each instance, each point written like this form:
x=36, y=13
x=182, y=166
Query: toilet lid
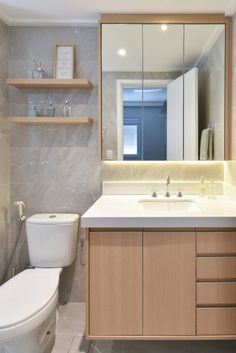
x=53, y=218
x=26, y=294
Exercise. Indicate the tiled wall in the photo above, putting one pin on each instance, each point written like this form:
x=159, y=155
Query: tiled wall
x=234, y=92
x=4, y=151
x=230, y=167
x=158, y=171
x=54, y=169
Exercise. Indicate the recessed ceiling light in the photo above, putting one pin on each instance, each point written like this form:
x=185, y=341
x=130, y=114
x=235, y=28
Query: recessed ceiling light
x=164, y=27
x=122, y=52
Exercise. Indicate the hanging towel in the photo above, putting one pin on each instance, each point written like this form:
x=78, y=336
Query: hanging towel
x=210, y=144
x=206, y=145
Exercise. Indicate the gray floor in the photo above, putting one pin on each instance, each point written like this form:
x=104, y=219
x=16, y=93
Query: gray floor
x=70, y=339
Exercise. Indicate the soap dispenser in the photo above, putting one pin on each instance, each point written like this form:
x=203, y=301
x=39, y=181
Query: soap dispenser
x=212, y=190
x=202, y=187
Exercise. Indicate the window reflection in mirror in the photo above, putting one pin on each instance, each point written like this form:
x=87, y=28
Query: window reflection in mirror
x=147, y=135
x=163, y=92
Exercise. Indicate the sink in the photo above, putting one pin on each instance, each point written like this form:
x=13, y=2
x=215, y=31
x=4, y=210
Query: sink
x=174, y=205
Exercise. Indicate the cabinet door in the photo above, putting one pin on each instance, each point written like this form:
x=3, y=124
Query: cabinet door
x=169, y=283
x=115, y=283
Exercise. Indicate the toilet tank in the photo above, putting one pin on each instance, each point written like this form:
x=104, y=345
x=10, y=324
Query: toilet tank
x=52, y=239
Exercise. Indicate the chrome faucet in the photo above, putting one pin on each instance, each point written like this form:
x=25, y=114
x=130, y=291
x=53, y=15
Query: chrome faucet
x=167, y=194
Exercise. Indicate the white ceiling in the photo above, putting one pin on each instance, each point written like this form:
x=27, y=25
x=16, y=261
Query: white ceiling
x=52, y=12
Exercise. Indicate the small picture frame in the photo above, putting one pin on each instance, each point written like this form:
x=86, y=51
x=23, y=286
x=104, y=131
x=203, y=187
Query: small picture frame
x=64, y=62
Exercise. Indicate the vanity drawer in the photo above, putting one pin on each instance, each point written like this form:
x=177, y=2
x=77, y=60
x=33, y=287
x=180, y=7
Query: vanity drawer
x=216, y=293
x=216, y=268
x=216, y=321
x=216, y=243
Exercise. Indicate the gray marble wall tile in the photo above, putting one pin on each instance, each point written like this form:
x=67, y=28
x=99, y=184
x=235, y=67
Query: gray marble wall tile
x=4, y=68
x=54, y=169
x=158, y=171
x=234, y=92
x=230, y=170
x=4, y=152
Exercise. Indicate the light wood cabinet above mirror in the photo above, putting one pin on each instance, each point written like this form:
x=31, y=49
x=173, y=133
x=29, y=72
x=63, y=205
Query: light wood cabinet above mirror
x=165, y=87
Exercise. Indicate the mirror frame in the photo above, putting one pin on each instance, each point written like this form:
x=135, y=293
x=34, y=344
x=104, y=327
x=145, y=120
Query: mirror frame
x=176, y=19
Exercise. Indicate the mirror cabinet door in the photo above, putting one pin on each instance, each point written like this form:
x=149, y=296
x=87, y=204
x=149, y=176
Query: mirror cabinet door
x=204, y=91
x=121, y=63
x=163, y=65
x=163, y=89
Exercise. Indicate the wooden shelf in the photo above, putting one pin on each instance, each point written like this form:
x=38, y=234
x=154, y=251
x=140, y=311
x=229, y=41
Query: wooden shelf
x=50, y=83
x=51, y=121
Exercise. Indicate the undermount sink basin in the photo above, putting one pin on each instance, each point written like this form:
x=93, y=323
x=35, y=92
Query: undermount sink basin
x=153, y=205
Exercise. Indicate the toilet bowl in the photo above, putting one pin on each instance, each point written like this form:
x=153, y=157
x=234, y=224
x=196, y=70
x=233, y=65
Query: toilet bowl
x=29, y=300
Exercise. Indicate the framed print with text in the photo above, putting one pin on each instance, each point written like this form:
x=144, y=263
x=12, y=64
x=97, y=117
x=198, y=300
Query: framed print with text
x=64, y=62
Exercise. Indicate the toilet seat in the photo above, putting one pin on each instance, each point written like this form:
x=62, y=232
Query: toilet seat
x=27, y=295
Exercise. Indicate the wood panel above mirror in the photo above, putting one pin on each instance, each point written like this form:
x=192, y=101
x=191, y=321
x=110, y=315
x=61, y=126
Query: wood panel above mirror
x=165, y=87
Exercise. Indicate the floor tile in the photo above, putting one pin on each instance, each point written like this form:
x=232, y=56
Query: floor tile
x=79, y=344
x=70, y=339
x=63, y=343
x=102, y=347
x=72, y=319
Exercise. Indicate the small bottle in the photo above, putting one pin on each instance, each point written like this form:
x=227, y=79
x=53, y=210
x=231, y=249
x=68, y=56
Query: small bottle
x=33, y=112
x=42, y=108
x=202, y=188
x=38, y=72
x=67, y=109
x=212, y=190
x=51, y=110
x=32, y=109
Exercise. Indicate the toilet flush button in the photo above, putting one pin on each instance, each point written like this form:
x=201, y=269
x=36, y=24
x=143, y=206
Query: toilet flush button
x=52, y=216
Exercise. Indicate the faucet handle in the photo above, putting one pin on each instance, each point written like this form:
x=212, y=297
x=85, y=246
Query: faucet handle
x=179, y=193
x=154, y=194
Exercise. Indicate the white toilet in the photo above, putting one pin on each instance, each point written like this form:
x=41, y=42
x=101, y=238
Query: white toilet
x=28, y=301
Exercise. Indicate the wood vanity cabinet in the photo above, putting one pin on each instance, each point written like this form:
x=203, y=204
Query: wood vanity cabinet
x=161, y=284
x=168, y=283
x=115, y=294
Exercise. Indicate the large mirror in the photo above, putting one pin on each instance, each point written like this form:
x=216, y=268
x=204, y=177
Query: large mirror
x=163, y=91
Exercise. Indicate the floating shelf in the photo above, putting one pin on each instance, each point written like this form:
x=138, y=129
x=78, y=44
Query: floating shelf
x=50, y=83
x=51, y=121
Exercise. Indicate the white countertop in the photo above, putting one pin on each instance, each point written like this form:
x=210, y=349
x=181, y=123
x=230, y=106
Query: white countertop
x=124, y=211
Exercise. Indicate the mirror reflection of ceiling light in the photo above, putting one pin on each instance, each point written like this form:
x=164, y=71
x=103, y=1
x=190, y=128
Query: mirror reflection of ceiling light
x=164, y=27
x=122, y=52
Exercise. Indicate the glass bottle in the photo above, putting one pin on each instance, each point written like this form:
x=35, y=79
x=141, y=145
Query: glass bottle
x=38, y=73
x=32, y=110
x=67, y=109
x=42, y=108
x=51, y=110
x=202, y=188
x=212, y=190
